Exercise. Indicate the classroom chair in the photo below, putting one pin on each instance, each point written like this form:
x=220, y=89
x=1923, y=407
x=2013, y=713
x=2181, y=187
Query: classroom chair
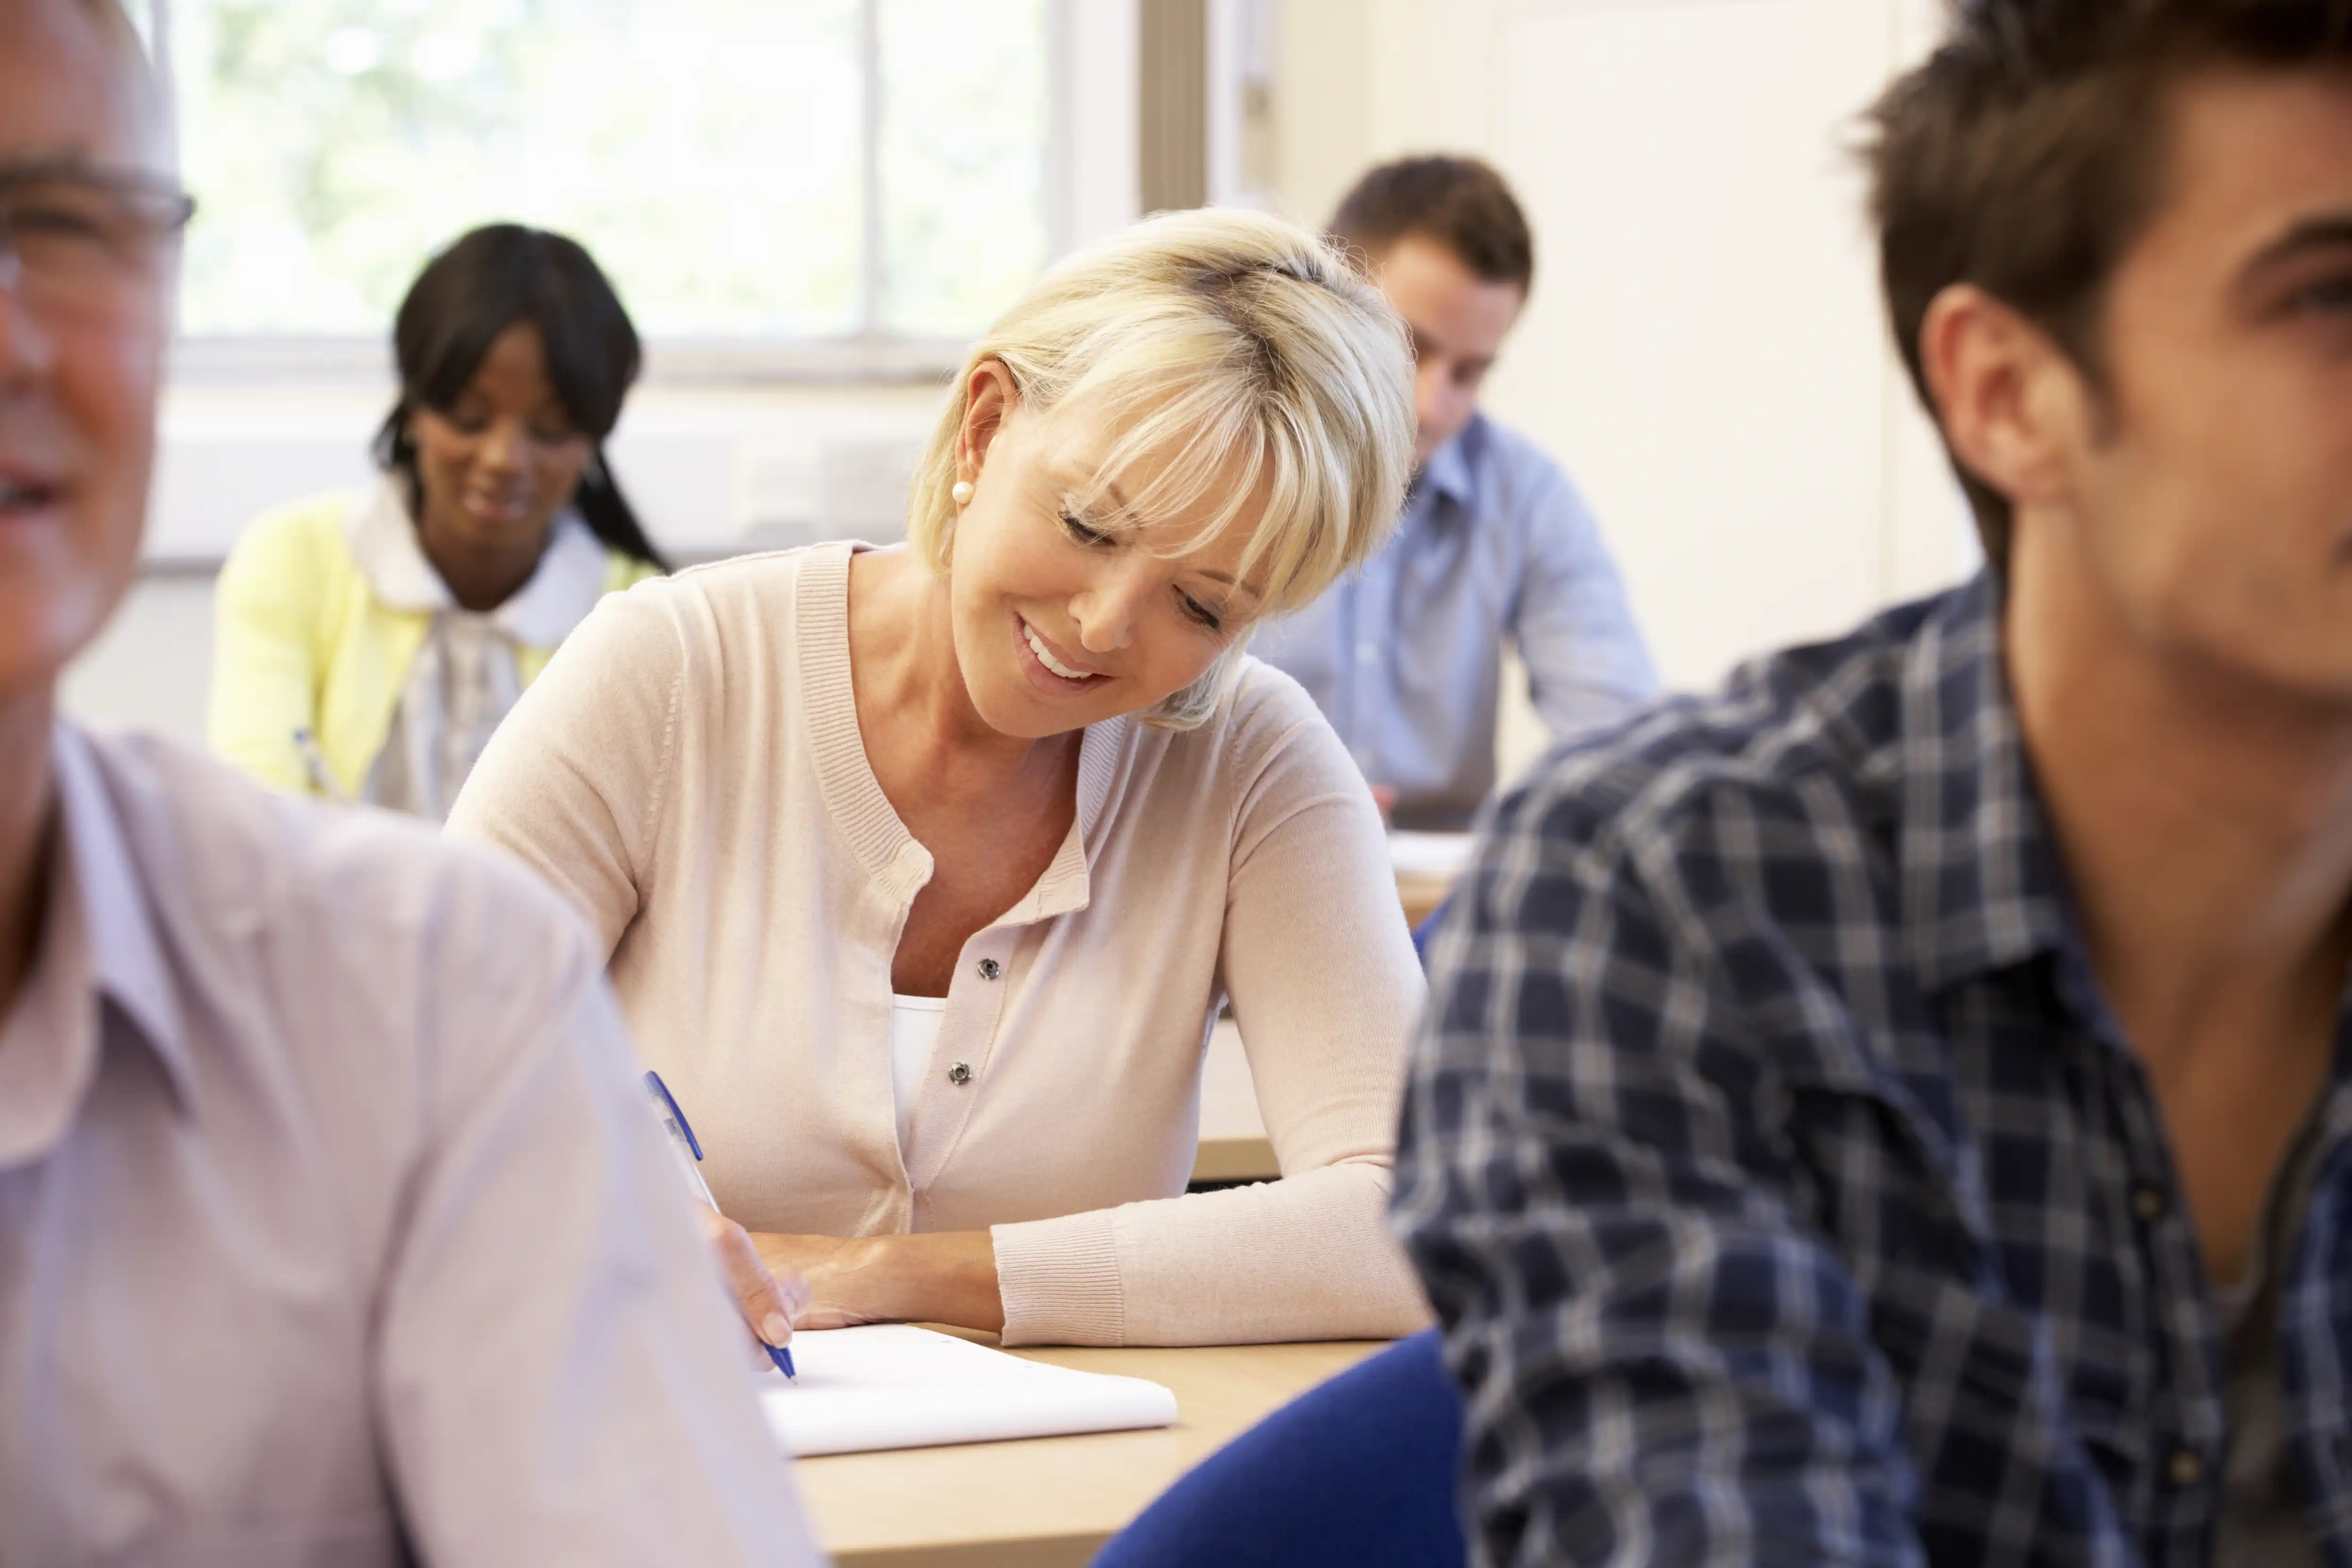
x=1358, y=1473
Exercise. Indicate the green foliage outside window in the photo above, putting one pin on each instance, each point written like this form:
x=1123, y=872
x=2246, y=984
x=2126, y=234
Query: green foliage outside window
x=711, y=152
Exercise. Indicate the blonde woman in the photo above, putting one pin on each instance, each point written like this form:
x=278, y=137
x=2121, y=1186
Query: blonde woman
x=925, y=870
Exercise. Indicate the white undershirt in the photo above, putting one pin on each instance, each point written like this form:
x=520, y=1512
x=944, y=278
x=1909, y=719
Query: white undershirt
x=913, y=1031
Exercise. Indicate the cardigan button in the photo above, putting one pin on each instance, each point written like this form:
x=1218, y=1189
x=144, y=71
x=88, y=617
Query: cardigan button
x=960, y=1073
x=990, y=969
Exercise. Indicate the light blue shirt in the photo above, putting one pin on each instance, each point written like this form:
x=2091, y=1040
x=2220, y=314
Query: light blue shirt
x=1405, y=658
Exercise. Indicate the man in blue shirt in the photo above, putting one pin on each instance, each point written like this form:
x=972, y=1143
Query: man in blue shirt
x=1900, y=1111
x=1406, y=658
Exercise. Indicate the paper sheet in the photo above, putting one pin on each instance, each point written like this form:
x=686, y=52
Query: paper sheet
x=898, y=1387
x=1430, y=854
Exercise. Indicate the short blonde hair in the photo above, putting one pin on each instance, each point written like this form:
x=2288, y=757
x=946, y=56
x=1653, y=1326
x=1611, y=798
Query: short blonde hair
x=1237, y=349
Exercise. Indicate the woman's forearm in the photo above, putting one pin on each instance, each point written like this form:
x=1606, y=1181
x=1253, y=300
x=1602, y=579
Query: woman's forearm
x=946, y=1276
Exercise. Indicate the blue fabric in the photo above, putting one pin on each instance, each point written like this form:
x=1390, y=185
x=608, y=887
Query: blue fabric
x=1426, y=933
x=1405, y=658
x=1787, y=1190
x=1358, y=1473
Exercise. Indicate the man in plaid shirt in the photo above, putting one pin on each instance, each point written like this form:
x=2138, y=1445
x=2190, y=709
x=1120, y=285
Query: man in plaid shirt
x=1899, y=1112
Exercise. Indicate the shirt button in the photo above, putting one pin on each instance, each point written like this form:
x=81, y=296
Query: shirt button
x=989, y=968
x=2185, y=1467
x=1368, y=653
x=2147, y=1202
x=960, y=1073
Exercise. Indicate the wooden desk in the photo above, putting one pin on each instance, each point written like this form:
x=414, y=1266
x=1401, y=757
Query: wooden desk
x=1421, y=893
x=1051, y=1502
x=1239, y=1159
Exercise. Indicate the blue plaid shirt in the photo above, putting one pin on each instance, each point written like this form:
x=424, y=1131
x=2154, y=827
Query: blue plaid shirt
x=1787, y=1191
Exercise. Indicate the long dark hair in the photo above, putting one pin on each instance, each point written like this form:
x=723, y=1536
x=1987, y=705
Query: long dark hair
x=488, y=280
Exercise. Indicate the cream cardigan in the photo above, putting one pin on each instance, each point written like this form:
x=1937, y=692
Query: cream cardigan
x=690, y=769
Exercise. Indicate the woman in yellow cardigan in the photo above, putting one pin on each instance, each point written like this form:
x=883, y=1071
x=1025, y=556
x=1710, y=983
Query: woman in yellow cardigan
x=366, y=646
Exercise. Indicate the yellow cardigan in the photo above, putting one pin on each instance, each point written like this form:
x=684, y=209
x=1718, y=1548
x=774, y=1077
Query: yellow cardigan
x=300, y=641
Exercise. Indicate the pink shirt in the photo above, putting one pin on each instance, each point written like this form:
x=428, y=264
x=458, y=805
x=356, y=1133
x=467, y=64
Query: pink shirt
x=333, y=1225
x=690, y=769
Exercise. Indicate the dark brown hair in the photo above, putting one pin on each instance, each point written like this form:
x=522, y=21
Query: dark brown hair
x=490, y=280
x=1460, y=202
x=2027, y=156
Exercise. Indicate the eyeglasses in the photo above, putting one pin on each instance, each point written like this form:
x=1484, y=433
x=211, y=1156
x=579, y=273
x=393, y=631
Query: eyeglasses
x=83, y=241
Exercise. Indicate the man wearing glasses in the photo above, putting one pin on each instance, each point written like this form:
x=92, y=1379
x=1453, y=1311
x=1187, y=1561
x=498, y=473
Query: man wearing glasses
x=330, y=1225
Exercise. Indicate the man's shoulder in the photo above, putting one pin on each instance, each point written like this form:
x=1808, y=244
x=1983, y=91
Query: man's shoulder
x=1798, y=757
x=1497, y=455
x=1486, y=439
x=1512, y=478
x=322, y=895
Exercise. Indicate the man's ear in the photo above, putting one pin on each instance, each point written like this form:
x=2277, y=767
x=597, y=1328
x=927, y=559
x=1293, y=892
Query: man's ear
x=2014, y=405
x=990, y=399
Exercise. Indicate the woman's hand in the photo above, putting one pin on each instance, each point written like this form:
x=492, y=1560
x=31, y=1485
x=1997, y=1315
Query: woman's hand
x=942, y=1278
x=771, y=1304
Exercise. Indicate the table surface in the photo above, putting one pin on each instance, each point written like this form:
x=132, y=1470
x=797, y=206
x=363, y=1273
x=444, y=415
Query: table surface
x=1049, y=1502
x=1233, y=1144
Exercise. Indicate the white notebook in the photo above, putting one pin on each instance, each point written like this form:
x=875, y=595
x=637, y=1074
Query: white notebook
x=896, y=1387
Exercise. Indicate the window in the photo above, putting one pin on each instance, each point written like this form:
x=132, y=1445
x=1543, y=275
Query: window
x=766, y=169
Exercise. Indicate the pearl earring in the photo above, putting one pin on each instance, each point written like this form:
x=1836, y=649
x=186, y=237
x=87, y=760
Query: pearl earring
x=962, y=491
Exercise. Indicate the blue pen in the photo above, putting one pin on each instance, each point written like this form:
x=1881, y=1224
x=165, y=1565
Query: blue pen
x=690, y=1155
x=323, y=778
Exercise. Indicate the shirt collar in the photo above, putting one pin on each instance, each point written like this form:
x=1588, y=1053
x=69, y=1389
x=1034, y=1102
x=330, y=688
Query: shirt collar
x=1449, y=471
x=1983, y=885
x=126, y=949
x=98, y=947
x=561, y=590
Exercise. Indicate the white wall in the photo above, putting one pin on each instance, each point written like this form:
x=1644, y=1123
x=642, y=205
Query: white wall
x=1094, y=120
x=147, y=669
x=1704, y=350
